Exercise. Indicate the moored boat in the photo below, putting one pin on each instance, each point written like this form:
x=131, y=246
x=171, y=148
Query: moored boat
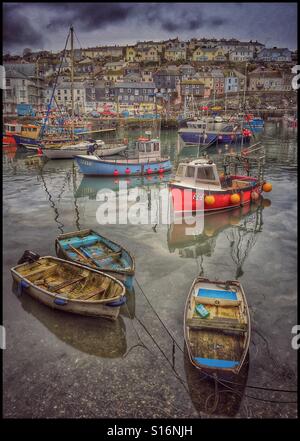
x=198, y=186
x=69, y=286
x=198, y=133
x=96, y=251
x=148, y=161
x=217, y=326
x=66, y=151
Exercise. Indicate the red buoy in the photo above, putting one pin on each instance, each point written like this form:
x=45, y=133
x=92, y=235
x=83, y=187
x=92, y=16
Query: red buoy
x=149, y=170
x=127, y=171
x=40, y=151
x=160, y=170
x=116, y=172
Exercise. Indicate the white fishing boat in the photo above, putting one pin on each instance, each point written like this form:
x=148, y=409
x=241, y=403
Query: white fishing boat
x=70, y=151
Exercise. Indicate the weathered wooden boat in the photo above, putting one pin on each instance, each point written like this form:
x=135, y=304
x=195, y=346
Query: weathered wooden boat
x=70, y=287
x=147, y=162
x=217, y=326
x=96, y=251
x=198, y=186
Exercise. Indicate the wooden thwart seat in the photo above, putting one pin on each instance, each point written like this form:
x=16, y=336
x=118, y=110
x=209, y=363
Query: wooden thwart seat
x=216, y=302
x=224, y=325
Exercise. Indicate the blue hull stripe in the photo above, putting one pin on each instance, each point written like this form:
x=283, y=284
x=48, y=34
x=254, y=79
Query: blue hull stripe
x=217, y=294
x=215, y=363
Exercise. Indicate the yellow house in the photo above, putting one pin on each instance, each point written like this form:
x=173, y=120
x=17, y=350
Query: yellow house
x=131, y=53
x=208, y=54
x=148, y=54
x=175, y=54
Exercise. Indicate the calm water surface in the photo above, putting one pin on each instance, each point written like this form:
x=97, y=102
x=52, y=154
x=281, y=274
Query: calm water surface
x=60, y=365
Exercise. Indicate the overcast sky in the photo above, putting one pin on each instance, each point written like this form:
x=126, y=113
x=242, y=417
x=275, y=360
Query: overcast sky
x=45, y=25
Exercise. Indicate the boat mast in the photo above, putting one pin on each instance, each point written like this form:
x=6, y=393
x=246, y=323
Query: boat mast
x=72, y=82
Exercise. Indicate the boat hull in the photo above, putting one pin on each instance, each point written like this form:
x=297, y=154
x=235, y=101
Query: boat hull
x=82, y=307
x=185, y=199
x=196, y=138
x=98, y=167
x=65, y=153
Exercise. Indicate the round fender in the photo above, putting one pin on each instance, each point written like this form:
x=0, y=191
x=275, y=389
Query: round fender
x=59, y=301
x=21, y=286
x=116, y=303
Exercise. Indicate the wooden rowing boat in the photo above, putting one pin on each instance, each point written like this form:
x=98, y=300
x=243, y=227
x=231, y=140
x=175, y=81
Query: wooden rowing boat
x=70, y=287
x=96, y=251
x=217, y=326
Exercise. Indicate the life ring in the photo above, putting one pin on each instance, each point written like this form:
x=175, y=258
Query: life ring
x=217, y=302
x=95, y=146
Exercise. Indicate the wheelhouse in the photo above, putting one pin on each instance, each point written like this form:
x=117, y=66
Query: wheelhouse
x=148, y=148
x=198, y=173
x=197, y=124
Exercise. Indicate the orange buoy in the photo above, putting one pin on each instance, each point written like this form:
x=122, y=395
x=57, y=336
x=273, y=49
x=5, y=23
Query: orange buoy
x=209, y=199
x=209, y=231
x=235, y=198
x=254, y=196
x=267, y=187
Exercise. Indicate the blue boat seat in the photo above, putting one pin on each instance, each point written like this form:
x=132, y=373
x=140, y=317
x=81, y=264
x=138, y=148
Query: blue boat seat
x=77, y=242
x=217, y=294
x=216, y=363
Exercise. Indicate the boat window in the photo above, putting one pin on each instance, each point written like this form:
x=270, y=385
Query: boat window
x=205, y=173
x=141, y=147
x=156, y=146
x=180, y=170
x=149, y=147
x=190, y=172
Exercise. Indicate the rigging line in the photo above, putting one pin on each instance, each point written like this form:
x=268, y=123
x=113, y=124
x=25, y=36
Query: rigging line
x=140, y=341
x=173, y=370
x=142, y=291
x=260, y=399
x=53, y=91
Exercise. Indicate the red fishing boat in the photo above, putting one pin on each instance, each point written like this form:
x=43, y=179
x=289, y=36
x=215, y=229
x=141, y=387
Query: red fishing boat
x=10, y=130
x=198, y=185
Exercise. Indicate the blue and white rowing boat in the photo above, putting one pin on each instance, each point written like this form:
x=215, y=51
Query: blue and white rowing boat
x=90, y=248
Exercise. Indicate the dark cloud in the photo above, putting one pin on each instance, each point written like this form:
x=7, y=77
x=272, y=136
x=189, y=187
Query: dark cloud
x=18, y=28
x=43, y=25
x=88, y=16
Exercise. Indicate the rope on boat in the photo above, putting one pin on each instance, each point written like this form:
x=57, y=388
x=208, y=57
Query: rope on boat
x=142, y=291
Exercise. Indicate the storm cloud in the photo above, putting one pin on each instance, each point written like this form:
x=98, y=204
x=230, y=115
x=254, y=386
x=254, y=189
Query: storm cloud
x=44, y=25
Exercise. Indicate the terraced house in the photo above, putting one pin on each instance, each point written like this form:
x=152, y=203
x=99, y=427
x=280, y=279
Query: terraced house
x=129, y=93
x=265, y=79
x=208, y=54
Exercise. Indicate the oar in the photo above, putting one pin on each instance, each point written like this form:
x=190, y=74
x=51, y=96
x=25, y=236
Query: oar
x=106, y=256
x=87, y=259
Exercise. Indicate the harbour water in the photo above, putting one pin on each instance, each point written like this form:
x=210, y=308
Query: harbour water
x=60, y=365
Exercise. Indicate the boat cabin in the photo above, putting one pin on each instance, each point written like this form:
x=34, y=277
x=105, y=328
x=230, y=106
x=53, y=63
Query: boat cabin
x=12, y=128
x=30, y=130
x=199, y=173
x=197, y=124
x=148, y=148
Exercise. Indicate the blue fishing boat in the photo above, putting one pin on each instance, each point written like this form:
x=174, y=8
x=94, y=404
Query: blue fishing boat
x=89, y=248
x=148, y=161
x=198, y=133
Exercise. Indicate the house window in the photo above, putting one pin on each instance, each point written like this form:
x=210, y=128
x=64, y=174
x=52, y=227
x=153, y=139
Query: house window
x=22, y=94
x=128, y=90
x=136, y=91
x=8, y=81
x=121, y=90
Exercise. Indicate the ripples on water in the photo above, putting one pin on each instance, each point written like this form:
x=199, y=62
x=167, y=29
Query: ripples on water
x=127, y=368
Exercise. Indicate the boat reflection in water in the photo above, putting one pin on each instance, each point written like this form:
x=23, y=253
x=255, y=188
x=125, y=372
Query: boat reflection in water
x=89, y=186
x=243, y=224
x=223, y=399
x=90, y=335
